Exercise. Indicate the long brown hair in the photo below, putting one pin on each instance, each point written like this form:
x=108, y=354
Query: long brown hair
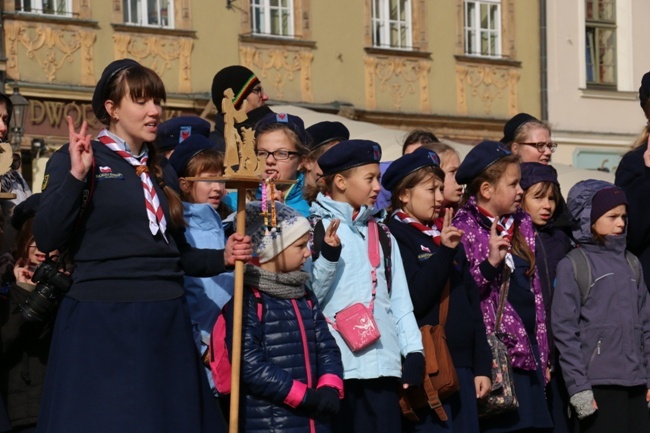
x=491, y=175
x=143, y=82
x=411, y=180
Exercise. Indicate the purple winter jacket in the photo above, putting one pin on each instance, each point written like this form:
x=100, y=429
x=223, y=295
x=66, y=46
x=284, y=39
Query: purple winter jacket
x=476, y=243
x=606, y=340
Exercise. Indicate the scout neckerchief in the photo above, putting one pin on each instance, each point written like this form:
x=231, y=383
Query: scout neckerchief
x=155, y=213
x=432, y=231
x=506, y=229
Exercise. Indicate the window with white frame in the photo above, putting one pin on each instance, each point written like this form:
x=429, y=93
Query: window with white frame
x=600, y=41
x=47, y=7
x=155, y=13
x=272, y=17
x=391, y=24
x=483, y=28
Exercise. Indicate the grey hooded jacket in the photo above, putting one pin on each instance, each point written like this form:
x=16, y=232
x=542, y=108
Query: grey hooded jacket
x=606, y=341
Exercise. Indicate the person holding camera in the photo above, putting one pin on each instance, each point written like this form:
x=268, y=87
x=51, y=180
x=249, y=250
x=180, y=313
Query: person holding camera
x=25, y=343
x=123, y=356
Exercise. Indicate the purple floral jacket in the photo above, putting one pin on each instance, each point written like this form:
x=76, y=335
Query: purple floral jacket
x=476, y=243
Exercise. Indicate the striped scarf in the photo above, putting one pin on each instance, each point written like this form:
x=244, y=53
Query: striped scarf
x=432, y=231
x=157, y=222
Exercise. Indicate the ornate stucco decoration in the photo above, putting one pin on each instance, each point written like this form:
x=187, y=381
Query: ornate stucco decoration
x=487, y=83
x=278, y=66
x=158, y=53
x=397, y=78
x=50, y=48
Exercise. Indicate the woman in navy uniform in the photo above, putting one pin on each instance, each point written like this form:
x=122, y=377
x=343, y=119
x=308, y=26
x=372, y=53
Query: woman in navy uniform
x=123, y=358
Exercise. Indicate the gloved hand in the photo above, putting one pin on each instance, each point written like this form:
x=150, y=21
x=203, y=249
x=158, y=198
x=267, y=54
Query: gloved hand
x=329, y=401
x=413, y=369
x=311, y=400
x=583, y=403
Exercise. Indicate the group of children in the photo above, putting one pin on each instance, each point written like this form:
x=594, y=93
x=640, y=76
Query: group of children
x=298, y=360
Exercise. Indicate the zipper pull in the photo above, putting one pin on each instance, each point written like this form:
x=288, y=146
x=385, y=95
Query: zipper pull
x=598, y=347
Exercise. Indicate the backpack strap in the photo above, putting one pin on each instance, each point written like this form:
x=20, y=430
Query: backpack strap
x=634, y=263
x=260, y=304
x=581, y=272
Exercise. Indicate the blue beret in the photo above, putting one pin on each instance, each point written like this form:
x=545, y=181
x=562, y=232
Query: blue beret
x=173, y=131
x=322, y=133
x=294, y=123
x=101, y=89
x=407, y=164
x=478, y=159
x=349, y=154
x=512, y=125
x=187, y=150
x=535, y=172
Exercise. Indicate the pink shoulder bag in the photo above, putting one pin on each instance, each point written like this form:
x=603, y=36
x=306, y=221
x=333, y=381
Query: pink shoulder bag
x=356, y=323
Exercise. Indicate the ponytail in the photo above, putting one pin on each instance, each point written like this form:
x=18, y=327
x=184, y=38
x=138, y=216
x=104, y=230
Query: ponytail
x=174, y=201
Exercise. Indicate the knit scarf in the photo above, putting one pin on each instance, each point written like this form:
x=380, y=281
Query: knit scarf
x=287, y=285
x=157, y=222
x=432, y=231
x=505, y=228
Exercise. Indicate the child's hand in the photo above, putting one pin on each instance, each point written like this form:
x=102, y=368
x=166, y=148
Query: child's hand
x=238, y=247
x=81, y=152
x=331, y=238
x=499, y=246
x=450, y=235
x=482, y=384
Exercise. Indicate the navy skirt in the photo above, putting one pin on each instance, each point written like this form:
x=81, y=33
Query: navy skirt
x=126, y=367
x=461, y=409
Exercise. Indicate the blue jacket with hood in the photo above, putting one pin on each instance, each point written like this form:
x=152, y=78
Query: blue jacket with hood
x=606, y=341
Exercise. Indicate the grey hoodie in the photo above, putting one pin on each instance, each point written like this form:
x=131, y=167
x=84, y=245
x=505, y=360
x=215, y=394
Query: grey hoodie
x=606, y=341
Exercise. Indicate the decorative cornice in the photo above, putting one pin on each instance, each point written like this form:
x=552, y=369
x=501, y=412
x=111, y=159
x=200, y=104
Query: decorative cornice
x=397, y=53
x=127, y=28
x=279, y=42
x=488, y=61
x=49, y=19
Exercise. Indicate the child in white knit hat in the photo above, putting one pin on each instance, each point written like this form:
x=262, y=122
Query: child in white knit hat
x=291, y=368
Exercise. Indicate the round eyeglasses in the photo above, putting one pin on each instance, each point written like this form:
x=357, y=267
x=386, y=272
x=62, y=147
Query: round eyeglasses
x=542, y=146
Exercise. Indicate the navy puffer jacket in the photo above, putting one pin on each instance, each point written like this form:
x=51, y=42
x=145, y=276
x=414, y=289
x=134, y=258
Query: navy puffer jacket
x=290, y=350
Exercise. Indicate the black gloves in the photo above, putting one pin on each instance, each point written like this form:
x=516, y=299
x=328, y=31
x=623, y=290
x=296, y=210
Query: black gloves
x=322, y=401
x=413, y=369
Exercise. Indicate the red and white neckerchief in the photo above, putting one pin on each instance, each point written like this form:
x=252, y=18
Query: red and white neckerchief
x=432, y=231
x=506, y=229
x=157, y=222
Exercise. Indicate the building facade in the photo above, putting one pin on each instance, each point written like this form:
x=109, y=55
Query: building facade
x=458, y=67
x=597, y=54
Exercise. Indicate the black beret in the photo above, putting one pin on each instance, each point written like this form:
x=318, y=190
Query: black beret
x=173, y=131
x=644, y=90
x=482, y=156
x=349, y=154
x=101, y=90
x=407, y=164
x=512, y=125
x=292, y=122
x=322, y=133
x=187, y=150
x=25, y=210
x=238, y=78
x=535, y=172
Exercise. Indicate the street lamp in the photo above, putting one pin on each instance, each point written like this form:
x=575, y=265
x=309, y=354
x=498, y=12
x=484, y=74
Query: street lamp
x=18, y=118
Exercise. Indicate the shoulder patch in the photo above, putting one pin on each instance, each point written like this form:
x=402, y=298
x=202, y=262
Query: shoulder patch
x=44, y=184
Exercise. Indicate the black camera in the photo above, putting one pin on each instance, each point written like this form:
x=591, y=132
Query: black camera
x=51, y=285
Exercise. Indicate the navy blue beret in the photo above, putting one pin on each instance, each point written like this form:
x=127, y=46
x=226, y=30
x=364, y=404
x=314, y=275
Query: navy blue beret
x=535, y=172
x=407, y=164
x=292, y=122
x=187, y=150
x=349, y=154
x=101, y=89
x=25, y=210
x=644, y=90
x=173, y=131
x=511, y=126
x=478, y=159
x=322, y=133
